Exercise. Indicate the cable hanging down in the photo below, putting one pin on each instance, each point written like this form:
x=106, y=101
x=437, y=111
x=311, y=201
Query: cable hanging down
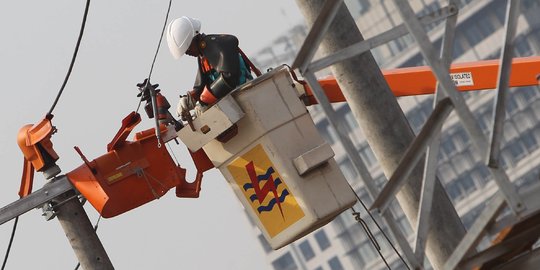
x=10, y=242
x=81, y=32
x=370, y=235
x=49, y=113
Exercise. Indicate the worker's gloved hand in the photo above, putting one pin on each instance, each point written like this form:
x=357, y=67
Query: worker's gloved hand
x=186, y=103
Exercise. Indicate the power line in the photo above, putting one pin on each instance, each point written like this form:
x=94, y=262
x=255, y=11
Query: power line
x=157, y=51
x=72, y=59
x=159, y=43
x=382, y=232
x=10, y=242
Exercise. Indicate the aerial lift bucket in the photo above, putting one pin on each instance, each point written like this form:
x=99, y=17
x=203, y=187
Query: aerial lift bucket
x=263, y=140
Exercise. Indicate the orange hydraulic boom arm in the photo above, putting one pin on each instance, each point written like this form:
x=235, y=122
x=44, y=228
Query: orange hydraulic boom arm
x=469, y=76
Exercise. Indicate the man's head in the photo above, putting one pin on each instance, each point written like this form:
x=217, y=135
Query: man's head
x=180, y=36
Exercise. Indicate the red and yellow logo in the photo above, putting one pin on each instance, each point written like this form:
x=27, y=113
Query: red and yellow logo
x=263, y=187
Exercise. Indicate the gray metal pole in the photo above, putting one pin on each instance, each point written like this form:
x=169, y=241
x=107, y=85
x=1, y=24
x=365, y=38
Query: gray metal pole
x=80, y=233
x=386, y=129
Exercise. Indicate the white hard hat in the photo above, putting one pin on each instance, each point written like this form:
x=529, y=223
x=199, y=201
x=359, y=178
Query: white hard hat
x=180, y=32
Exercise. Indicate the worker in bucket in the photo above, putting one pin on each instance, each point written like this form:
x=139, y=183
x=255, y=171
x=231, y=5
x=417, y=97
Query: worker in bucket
x=221, y=64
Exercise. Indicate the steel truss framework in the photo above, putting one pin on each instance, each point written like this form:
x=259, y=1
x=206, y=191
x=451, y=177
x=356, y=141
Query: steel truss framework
x=447, y=99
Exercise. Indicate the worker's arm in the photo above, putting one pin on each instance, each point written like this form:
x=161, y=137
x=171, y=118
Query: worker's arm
x=200, y=82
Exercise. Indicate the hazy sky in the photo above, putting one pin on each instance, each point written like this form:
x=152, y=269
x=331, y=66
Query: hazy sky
x=38, y=38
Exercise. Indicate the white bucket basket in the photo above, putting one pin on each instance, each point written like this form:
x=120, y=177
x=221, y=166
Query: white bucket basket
x=278, y=165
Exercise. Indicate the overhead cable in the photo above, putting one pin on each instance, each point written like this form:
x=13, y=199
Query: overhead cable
x=156, y=53
x=10, y=242
x=49, y=114
x=375, y=244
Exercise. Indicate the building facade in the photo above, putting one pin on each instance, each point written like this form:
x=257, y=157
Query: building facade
x=343, y=244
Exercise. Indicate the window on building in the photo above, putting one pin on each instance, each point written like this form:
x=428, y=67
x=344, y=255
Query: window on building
x=522, y=47
x=523, y=121
x=528, y=94
x=516, y=150
x=447, y=172
x=327, y=132
x=528, y=179
x=467, y=183
x=480, y=175
x=417, y=118
x=511, y=106
x=267, y=248
x=473, y=33
x=368, y=156
x=510, y=131
x=285, y=262
x=448, y=147
x=322, y=240
x=500, y=12
x=335, y=264
x=348, y=170
x=460, y=138
x=458, y=46
x=460, y=164
x=485, y=24
x=349, y=118
x=357, y=259
x=367, y=251
x=306, y=250
x=364, y=6
x=453, y=191
x=405, y=226
x=529, y=141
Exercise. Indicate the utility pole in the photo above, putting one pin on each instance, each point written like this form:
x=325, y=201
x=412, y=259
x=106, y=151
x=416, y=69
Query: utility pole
x=386, y=128
x=59, y=198
x=80, y=233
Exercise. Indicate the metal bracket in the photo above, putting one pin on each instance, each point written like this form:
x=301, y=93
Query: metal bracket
x=48, y=211
x=36, y=199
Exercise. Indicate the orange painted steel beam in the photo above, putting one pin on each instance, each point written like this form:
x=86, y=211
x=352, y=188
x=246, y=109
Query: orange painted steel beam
x=420, y=80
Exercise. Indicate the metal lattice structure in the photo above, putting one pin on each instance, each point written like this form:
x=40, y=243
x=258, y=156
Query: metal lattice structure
x=447, y=99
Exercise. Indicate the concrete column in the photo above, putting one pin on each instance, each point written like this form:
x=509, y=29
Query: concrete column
x=386, y=128
x=81, y=234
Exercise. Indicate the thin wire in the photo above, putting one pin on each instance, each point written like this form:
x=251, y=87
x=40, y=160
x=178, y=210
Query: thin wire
x=157, y=51
x=366, y=228
x=370, y=236
x=138, y=106
x=159, y=43
x=10, y=242
x=72, y=59
x=381, y=230
x=95, y=230
x=174, y=155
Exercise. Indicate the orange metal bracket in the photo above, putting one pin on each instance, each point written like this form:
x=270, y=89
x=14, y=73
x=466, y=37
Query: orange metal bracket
x=37, y=148
x=133, y=173
x=421, y=81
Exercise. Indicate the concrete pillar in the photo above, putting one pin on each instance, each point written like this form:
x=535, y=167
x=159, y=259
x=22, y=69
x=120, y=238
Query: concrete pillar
x=386, y=129
x=80, y=233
